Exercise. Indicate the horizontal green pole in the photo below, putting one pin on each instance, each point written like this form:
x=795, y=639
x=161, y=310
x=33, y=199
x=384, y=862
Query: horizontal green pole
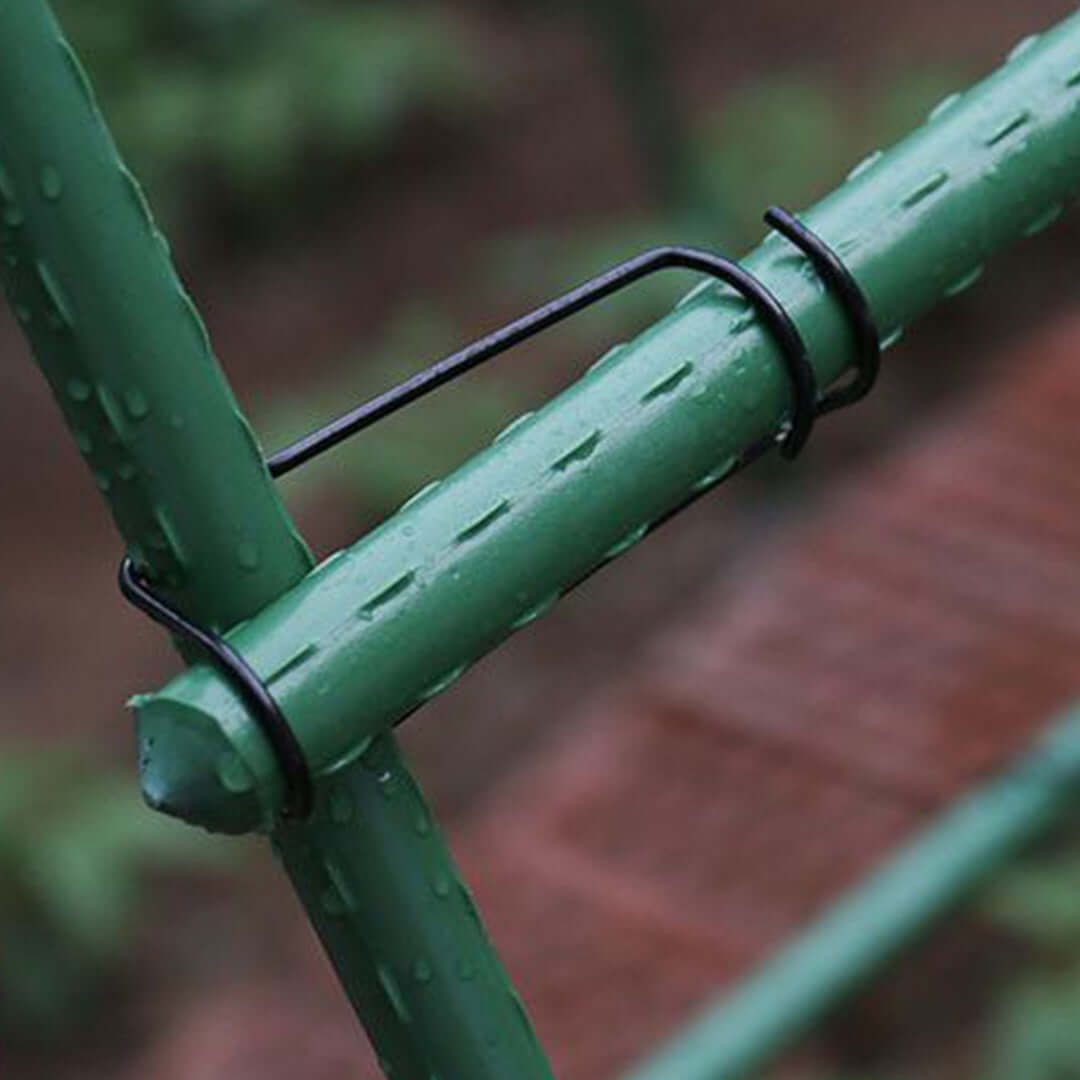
x=858, y=936
x=89, y=278
x=90, y=281
x=382, y=627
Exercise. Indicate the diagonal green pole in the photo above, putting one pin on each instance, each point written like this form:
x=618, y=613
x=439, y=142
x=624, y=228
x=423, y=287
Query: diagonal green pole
x=382, y=627
x=859, y=935
x=89, y=278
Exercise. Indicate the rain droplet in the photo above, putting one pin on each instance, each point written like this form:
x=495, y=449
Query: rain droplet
x=466, y=971
x=513, y=426
x=52, y=183
x=78, y=390
x=962, y=284
x=247, y=555
x=332, y=902
x=234, y=774
x=865, y=165
x=441, y=886
x=890, y=339
x=943, y=106
x=418, y=495
x=60, y=310
x=393, y=993
x=422, y=971
x=1021, y=47
x=137, y=406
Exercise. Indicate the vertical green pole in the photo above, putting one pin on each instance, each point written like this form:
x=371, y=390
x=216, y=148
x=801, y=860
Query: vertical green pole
x=89, y=279
x=383, y=892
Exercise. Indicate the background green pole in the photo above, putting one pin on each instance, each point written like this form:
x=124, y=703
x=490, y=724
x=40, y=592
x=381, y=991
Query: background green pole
x=385, y=625
x=90, y=281
x=858, y=936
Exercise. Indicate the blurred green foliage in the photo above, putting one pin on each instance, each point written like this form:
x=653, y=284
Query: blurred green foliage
x=75, y=843
x=792, y=138
x=786, y=139
x=380, y=467
x=247, y=103
x=252, y=112
x=258, y=108
x=1035, y=1034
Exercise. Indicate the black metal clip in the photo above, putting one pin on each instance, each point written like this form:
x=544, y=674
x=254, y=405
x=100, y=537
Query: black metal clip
x=806, y=406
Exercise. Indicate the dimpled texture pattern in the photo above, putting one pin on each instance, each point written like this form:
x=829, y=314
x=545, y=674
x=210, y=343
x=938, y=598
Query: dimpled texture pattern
x=910, y=642
x=373, y=634
x=90, y=281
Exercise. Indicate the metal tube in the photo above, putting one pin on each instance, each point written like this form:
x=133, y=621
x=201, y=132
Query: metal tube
x=382, y=890
x=382, y=627
x=859, y=935
x=89, y=279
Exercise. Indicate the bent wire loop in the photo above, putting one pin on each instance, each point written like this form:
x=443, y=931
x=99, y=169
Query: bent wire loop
x=806, y=406
x=244, y=681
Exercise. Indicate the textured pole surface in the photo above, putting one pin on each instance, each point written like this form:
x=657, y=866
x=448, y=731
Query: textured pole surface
x=385, y=625
x=860, y=934
x=382, y=890
x=89, y=279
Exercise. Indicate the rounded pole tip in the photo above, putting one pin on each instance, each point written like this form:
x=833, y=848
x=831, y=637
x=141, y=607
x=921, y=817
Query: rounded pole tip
x=190, y=770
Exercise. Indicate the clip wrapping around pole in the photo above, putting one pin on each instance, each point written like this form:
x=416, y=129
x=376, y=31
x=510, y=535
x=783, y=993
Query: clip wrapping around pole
x=797, y=363
x=842, y=282
x=242, y=677
x=805, y=408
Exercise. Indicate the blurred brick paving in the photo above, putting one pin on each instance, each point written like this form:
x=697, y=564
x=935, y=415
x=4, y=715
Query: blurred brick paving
x=909, y=640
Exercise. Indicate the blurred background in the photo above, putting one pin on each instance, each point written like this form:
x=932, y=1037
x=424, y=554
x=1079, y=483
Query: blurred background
x=352, y=190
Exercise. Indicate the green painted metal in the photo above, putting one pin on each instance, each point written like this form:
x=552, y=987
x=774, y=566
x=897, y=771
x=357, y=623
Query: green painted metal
x=89, y=278
x=382, y=890
x=858, y=936
x=382, y=627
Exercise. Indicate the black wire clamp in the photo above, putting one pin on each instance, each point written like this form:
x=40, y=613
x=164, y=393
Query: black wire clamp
x=806, y=406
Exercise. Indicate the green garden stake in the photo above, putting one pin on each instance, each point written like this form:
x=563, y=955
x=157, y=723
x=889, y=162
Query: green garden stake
x=89, y=279
x=857, y=937
x=383, y=626
x=88, y=276
x=351, y=648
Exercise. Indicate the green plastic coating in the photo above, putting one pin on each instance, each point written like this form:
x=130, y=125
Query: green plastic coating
x=382, y=627
x=382, y=890
x=90, y=281
x=126, y=354
x=864, y=931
